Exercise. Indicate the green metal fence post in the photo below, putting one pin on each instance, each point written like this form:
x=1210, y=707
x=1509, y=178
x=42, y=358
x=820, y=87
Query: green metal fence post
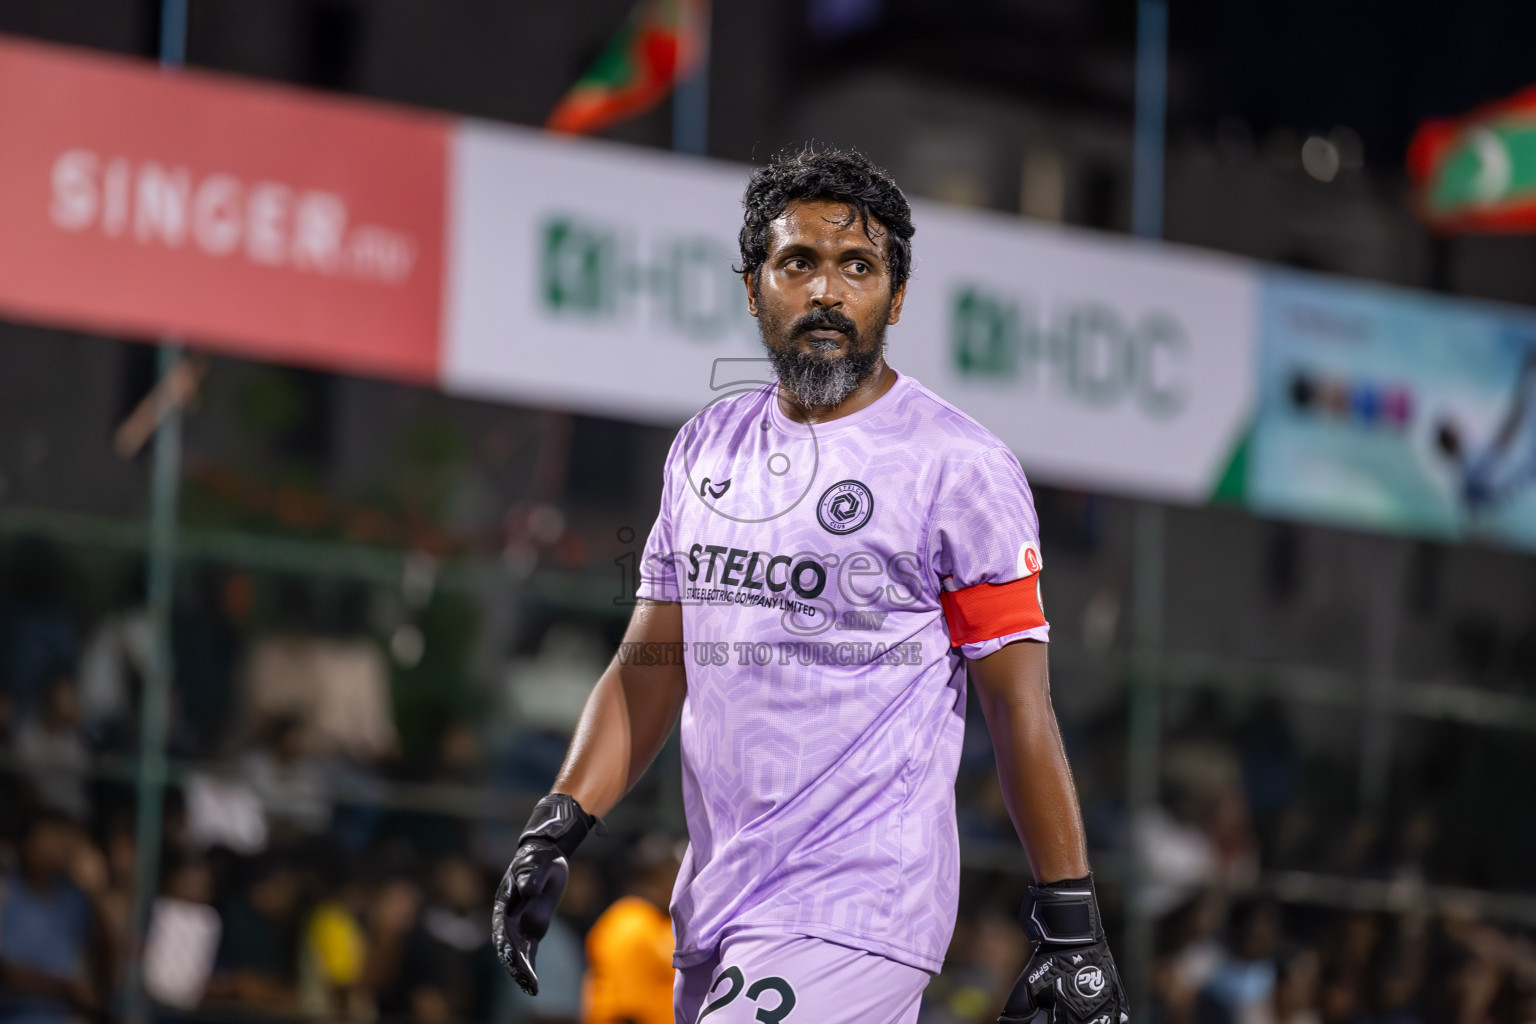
x=154, y=707
x=1144, y=708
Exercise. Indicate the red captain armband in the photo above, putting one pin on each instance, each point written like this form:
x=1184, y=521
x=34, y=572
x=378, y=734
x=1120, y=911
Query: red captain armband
x=988, y=611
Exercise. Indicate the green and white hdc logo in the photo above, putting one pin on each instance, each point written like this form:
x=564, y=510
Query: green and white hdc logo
x=1086, y=349
x=683, y=285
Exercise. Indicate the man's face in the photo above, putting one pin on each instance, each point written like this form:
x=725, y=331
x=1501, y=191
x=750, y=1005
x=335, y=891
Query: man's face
x=823, y=300
x=47, y=849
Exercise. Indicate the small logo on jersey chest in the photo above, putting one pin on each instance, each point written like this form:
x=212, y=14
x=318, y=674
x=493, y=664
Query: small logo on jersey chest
x=845, y=506
x=714, y=490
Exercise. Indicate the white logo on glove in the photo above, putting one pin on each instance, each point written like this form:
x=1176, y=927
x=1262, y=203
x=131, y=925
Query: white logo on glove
x=1089, y=981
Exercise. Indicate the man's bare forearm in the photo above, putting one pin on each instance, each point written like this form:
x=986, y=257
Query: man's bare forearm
x=1013, y=687
x=629, y=712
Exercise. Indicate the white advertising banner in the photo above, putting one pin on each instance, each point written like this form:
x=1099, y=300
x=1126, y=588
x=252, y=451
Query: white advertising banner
x=599, y=278
x=592, y=276
x=1101, y=362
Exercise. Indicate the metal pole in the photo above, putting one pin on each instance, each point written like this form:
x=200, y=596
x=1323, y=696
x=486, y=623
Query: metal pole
x=1142, y=757
x=173, y=33
x=690, y=99
x=154, y=708
x=1388, y=560
x=1143, y=754
x=165, y=476
x=1151, y=112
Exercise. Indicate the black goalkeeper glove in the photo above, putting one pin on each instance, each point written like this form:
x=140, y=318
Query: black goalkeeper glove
x=531, y=888
x=1071, y=973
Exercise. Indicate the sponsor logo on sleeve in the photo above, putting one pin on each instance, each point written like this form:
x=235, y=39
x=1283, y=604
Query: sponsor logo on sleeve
x=1029, y=559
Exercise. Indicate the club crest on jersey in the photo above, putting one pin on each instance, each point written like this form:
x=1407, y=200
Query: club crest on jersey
x=845, y=506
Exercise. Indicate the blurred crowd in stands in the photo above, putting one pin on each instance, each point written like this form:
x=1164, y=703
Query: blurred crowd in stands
x=285, y=891
x=332, y=836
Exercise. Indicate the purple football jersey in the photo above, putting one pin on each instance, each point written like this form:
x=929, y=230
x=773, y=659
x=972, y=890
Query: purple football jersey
x=825, y=709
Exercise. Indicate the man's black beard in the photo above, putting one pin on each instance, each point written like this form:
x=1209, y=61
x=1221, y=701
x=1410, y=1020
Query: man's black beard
x=814, y=379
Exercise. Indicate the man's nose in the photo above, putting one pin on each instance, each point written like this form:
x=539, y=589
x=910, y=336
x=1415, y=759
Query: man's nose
x=825, y=291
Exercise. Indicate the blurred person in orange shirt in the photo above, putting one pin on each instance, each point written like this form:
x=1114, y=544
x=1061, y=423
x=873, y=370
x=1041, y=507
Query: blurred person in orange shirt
x=629, y=949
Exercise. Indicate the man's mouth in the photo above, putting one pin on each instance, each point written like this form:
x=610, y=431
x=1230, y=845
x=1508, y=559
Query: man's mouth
x=825, y=335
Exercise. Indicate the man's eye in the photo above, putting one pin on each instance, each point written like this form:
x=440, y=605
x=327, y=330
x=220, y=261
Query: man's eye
x=796, y=264
x=859, y=267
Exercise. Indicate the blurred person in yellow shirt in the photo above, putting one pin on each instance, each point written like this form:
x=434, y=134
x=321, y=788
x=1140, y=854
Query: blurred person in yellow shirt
x=629, y=949
x=331, y=963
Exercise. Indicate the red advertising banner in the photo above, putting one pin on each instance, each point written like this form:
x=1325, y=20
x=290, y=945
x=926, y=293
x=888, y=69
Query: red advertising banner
x=249, y=219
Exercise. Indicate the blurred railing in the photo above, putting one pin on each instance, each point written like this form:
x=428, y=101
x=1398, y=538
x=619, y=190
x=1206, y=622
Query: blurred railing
x=1469, y=704
x=595, y=592
x=442, y=798
x=578, y=591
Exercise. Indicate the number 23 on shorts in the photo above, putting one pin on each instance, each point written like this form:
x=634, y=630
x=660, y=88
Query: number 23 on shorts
x=755, y=992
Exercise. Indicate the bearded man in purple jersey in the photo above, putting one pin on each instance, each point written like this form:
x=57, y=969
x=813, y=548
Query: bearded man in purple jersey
x=836, y=553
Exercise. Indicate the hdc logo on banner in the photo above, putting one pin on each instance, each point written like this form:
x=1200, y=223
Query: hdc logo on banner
x=1086, y=349
x=681, y=284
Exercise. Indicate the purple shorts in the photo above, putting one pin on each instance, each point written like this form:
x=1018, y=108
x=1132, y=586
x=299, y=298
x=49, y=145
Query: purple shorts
x=795, y=979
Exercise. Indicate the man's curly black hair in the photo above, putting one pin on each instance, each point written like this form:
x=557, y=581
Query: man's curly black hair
x=840, y=176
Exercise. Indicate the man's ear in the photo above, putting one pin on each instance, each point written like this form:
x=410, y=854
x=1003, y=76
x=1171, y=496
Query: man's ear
x=897, y=299
x=747, y=279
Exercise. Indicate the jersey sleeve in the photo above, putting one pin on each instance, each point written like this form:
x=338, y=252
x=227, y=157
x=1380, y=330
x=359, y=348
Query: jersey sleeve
x=658, y=562
x=984, y=552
